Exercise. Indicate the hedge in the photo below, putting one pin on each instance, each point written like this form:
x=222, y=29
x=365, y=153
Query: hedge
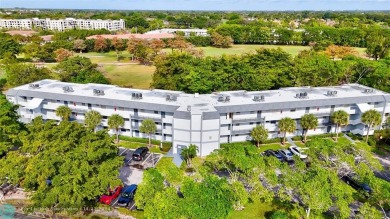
x=166, y=146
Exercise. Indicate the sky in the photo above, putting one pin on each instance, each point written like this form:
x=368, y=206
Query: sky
x=230, y=5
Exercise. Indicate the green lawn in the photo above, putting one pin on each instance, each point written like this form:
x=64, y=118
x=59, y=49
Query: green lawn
x=135, y=145
x=253, y=210
x=129, y=75
x=274, y=146
x=96, y=57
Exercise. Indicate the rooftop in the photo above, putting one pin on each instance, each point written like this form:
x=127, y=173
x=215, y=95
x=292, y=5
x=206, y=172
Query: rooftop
x=232, y=101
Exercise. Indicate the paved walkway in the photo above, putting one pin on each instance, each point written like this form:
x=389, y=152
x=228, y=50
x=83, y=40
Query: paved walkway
x=176, y=157
x=291, y=142
x=349, y=138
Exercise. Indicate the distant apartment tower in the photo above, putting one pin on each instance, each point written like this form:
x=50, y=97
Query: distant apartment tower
x=62, y=24
x=187, y=32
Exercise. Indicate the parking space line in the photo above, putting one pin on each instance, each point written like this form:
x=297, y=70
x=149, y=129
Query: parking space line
x=146, y=159
x=123, y=152
x=132, y=206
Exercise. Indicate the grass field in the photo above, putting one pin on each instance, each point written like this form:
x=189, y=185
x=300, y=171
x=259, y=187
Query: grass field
x=128, y=75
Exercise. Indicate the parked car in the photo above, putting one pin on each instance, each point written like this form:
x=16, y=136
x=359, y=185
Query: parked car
x=113, y=194
x=297, y=151
x=276, y=154
x=140, y=153
x=287, y=155
x=350, y=180
x=127, y=196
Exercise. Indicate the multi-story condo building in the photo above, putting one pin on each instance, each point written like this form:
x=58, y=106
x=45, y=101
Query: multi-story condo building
x=187, y=32
x=204, y=120
x=62, y=24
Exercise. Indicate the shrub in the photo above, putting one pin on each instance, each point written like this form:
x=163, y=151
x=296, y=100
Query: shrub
x=279, y=215
x=371, y=141
x=166, y=146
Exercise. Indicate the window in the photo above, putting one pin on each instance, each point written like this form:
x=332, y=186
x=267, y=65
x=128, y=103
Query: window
x=155, y=112
x=251, y=123
x=82, y=104
x=273, y=122
x=114, y=108
x=281, y=111
x=292, y=110
x=121, y=109
x=105, y=117
x=318, y=108
x=103, y=107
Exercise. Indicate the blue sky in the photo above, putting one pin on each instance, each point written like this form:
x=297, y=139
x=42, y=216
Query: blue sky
x=202, y=4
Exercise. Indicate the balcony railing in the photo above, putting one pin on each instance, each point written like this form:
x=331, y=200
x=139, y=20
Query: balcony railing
x=146, y=117
x=243, y=131
x=246, y=120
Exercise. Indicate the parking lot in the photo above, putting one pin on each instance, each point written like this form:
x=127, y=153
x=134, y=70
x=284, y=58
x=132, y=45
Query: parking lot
x=132, y=171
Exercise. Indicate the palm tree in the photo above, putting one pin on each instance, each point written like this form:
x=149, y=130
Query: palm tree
x=63, y=112
x=148, y=127
x=308, y=121
x=259, y=134
x=116, y=121
x=92, y=120
x=189, y=153
x=287, y=125
x=371, y=118
x=339, y=118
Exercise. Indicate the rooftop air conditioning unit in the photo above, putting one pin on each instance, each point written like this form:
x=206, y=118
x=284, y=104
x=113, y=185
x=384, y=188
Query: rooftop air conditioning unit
x=220, y=99
x=227, y=99
x=98, y=92
x=67, y=89
x=34, y=86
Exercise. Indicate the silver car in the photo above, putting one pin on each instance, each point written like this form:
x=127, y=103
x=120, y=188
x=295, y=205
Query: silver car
x=287, y=155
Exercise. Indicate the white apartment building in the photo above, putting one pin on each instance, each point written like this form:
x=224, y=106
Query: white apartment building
x=62, y=24
x=20, y=24
x=204, y=120
x=187, y=32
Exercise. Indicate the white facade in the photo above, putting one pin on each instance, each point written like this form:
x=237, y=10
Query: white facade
x=204, y=120
x=62, y=24
x=187, y=32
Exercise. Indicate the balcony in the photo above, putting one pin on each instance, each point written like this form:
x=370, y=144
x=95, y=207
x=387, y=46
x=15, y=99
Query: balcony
x=243, y=131
x=248, y=120
x=146, y=117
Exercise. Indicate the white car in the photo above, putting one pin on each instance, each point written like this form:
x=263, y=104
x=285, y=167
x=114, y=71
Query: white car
x=297, y=151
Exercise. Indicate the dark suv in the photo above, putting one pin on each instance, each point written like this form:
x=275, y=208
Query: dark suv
x=127, y=196
x=350, y=180
x=140, y=153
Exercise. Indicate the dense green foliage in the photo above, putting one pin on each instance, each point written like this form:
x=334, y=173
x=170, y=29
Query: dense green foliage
x=65, y=165
x=19, y=74
x=9, y=126
x=148, y=127
x=8, y=45
x=265, y=69
x=80, y=70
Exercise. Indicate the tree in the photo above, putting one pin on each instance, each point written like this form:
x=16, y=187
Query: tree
x=62, y=54
x=139, y=49
x=152, y=183
x=148, y=127
x=339, y=51
x=371, y=118
x=9, y=125
x=286, y=125
x=339, y=118
x=259, y=134
x=178, y=43
x=378, y=46
x=100, y=44
x=220, y=41
x=79, y=45
x=92, y=120
x=189, y=153
x=80, y=165
x=63, y=112
x=18, y=73
x=118, y=46
x=116, y=121
x=308, y=121
x=79, y=70
x=156, y=45
x=8, y=45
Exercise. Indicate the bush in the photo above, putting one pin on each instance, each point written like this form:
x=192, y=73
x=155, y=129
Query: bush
x=166, y=146
x=279, y=215
x=355, y=137
x=273, y=140
x=371, y=141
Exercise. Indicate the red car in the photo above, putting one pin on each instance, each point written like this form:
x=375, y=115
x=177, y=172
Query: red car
x=113, y=194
